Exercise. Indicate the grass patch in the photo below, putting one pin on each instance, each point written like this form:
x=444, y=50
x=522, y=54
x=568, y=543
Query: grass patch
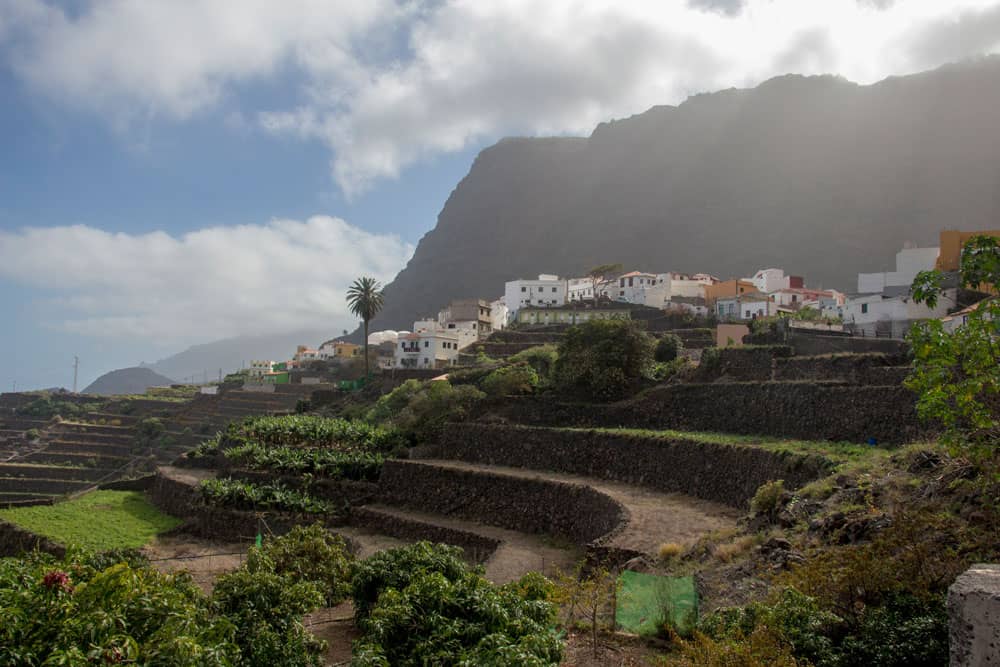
x=98, y=521
x=836, y=452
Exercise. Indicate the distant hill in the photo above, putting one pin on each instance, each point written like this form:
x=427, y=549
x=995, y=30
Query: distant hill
x=126, y=381
x=200, y=362
x=818, y=175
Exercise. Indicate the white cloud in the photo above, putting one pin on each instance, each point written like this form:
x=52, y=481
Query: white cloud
x=282, y=276
x=387, y=83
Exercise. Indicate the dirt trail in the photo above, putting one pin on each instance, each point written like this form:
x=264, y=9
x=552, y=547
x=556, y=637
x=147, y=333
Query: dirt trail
x=654, y=517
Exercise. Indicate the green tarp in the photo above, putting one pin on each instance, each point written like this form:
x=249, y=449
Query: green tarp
x=644, y=600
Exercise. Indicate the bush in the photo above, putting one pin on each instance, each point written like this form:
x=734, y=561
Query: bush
x=767, y=500
x=542, y=358
x=663, y=371
x=510, y=380
x=420, y=410
x=312, y=554
x=148, y=430
x=240, y=495
x=72, y=612
x=603, y=359
x=32, y=434
x=422, y=605
x=667, y=348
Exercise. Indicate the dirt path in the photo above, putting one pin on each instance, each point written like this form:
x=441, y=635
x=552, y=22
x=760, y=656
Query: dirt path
x=654, y=517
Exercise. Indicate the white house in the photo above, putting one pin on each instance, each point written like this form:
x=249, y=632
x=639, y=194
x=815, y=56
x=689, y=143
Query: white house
x=646, y=289
x=498, y=314
x=548, y=290
x=909, y=262
x=428, y=349
x=772, y=280
x=260, y=368
x=745, y=307
x=892, y=311
x=688, y=286
x=580, y=289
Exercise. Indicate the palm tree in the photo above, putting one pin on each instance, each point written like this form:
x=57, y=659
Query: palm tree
x=364, y=298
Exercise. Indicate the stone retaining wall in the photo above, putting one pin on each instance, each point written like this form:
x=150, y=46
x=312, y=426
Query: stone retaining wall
x=477, y=548
x=807, y=410
x=15, y=541
x=727, y=474
x=868, y=368
x=742, y=364
x=576, y=512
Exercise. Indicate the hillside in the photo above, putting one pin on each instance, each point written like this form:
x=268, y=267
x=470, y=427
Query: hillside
x=818, y=175
x=127, y=381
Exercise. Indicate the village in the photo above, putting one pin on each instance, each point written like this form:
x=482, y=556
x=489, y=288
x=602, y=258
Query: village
x=880, y=305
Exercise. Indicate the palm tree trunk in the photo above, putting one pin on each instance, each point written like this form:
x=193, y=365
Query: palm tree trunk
x=366, y=349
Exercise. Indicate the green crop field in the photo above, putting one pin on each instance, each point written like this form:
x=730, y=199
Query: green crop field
x=97, y=521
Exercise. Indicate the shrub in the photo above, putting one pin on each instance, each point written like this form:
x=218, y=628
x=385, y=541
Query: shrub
x=311, y=554
x=32, y=434
x=420, y=410
x=510, y=380
x=72, y=612
x=767, y=500
x=762, y=648
x=394, y=568
x=266, y=609
x=148, y=430
x=602, y=359
x=248, y=496
x=542, y=358
x=328, y=463
x=667, y=348
x=666, y=370
x=669, y=550
x=422, y=605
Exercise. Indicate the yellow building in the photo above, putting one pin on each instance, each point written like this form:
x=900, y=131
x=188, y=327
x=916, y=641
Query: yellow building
x=950, y=248
x=726, y=288
x=338, y=349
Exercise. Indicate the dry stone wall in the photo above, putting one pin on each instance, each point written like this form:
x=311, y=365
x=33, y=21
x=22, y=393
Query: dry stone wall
x=722, y=473
x=576, y=512
x=15, y=541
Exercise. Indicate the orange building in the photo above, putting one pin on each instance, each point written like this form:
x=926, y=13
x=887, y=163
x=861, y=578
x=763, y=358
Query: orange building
x=950, y=247
x=732, y=287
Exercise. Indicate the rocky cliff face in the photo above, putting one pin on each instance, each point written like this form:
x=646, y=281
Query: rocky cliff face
x=817, y=175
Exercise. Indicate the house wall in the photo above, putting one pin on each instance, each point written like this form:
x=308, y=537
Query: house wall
x=542, y=292
x=909, y=262
x=727, y=288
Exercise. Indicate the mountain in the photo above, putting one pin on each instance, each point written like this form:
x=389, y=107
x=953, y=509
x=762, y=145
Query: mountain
x=817, y=175
x=127, y=381
x=201, y=362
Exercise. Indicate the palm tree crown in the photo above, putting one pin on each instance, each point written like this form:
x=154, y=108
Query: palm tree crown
x=364, y=299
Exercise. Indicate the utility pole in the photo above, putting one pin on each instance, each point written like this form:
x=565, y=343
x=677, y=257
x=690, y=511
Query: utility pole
x=76, y=368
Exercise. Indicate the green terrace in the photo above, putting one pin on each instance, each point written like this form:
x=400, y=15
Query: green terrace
x=836, y=452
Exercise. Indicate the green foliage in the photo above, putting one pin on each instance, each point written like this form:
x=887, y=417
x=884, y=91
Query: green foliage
x=905, y=631
x=514, y=379
x=32, y=434
x=767, y=499
x=311, y=554
x=603, y=359
x=365, y=300
x=394, y=569
x=422, y=605
x=148, y=430
x=663, y=371
x=420, y=409
x=667, y=348
x=312, y=431
x=98, y=521
x=46, y=406
x=72, y=613
x=542, y=358
x=267, y=608
x=240, y=495
x=957, y=375
x=329, y=463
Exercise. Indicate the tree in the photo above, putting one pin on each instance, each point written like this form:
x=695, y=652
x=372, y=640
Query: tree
x=598, y=273
x=956, y=375
x=365, y=299
x=602, y=359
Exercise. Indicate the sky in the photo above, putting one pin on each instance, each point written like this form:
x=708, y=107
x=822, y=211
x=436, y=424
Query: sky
x=174, y=172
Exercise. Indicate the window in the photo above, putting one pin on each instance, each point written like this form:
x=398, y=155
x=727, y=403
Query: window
x=630, y=281
x=553, y=289
x=864, y=308
x=523, y=288
x=621, y=293
x=427, y=343
x=402, y=346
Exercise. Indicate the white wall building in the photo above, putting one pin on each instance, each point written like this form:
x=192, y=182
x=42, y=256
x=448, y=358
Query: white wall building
x=498, y=314
x=259, y=368
x=772, y=280
x=688, y=286
x=744, y=307
x=580, y=289
x=645, y=289
x=428, y=349
x=909, y=262
x=548, y=290
x=892, y=311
